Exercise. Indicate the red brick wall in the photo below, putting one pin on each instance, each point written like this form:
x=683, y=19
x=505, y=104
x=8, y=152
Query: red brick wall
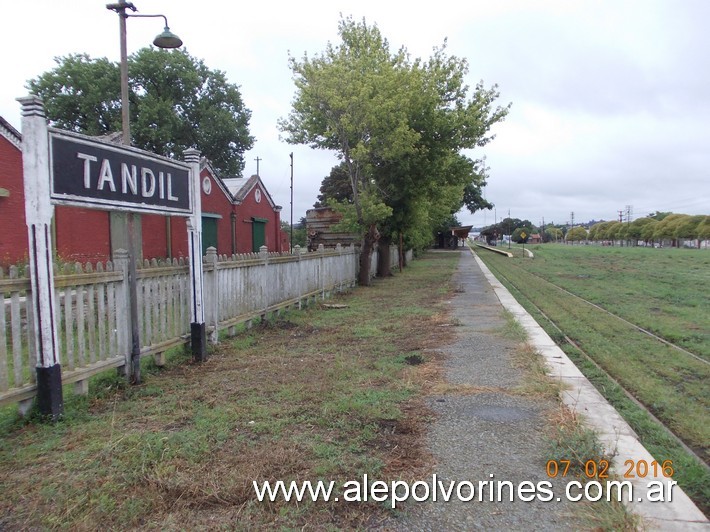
x=13, y=229
x=217, y=202
x=155, y=243
x=82, y=235
x=154, y=226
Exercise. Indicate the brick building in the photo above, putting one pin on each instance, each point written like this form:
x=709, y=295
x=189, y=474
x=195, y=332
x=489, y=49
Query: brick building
x=238, y=216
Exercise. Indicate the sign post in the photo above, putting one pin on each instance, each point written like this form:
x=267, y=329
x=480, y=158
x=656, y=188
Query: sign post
x=67, y=168
x=198, y=340
x=38, y=214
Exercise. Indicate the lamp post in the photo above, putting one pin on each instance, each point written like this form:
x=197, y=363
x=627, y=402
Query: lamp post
x=166, y=39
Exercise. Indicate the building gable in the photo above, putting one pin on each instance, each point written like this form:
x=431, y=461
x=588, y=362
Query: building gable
x=242, y=188
x=10, y=133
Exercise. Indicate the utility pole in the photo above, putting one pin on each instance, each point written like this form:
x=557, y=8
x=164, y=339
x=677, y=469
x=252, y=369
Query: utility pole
x=628, y=223
x=291, y=156
x=257, y=165
x=621, y=216
x=509, y=235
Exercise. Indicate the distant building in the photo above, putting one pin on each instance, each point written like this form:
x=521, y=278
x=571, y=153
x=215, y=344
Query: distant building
x=319, y=229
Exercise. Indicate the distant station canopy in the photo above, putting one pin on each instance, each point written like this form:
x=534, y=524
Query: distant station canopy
x=461, y=232
x=451, y=239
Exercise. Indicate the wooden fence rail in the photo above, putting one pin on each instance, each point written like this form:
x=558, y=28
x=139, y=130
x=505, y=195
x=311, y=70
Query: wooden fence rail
x=93, y=318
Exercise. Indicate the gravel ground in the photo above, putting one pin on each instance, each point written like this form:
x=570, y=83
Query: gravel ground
x=491, y=433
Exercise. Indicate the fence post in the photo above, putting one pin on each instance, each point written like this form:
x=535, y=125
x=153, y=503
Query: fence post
x=212, y=294
x=321, y=270
x=120, y=263
x=297, y=251
x=38, y=214
x=338, y=270
x=264, y=255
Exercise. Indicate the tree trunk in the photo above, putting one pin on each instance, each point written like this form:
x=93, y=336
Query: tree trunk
x=383, y=258
x=368, y=244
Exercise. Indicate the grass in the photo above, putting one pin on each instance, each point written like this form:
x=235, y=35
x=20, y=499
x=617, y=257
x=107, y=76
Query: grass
x=574, y=443
x=673, y=385
x=323, y=393
x=662, y=290
x=317, y=394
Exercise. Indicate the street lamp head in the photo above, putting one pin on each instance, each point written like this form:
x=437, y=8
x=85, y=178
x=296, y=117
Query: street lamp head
x=167, y=39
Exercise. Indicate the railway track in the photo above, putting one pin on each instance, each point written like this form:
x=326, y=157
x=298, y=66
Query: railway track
x=624, y=320
x=586, y=356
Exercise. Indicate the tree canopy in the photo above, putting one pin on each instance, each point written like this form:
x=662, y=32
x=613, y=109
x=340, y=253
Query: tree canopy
x=335, y=186
x=176, y=102
x=576, y=234
x=399, y=126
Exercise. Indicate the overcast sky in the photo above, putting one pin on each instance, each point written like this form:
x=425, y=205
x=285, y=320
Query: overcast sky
x=611, y=99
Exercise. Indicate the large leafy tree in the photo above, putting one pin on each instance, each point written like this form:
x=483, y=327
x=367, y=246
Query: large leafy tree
x=346, y=102
x=176, y=102
x=397, y=125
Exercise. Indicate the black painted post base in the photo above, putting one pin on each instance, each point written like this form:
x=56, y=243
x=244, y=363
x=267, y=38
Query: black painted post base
x=198, y=341
x=49, y=392
x=136, y=367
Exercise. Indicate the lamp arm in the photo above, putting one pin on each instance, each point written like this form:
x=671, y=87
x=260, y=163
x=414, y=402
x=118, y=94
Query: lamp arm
x=149, y=16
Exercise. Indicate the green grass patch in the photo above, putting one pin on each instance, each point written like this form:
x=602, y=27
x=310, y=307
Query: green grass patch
x=673, y=385
x=318, y=393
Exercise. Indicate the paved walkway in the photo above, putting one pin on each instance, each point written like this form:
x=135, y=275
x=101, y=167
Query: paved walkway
x=495, y=432
x=498, y=434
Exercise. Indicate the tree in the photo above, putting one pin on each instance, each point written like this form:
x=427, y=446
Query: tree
x=635, y=231
x=704, y=229
x=345, y=101
x=604, y=231
x=576, y=234
x=507, y=226
x=688, y=228
x=335, y=186
x=553, y=234
x=176, y=103
x=666, y=227
x=300, y=238
x=397, y=126
x=649, y=230
x=517, y=235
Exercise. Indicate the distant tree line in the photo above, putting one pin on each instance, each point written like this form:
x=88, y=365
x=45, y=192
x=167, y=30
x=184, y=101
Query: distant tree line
x=657, y=227
x=660, y=226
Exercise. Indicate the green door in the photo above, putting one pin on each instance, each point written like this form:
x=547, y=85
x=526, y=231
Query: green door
x=209, y=233
x=258, y=233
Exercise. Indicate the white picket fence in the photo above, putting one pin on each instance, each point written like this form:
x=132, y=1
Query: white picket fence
x=92, y=307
